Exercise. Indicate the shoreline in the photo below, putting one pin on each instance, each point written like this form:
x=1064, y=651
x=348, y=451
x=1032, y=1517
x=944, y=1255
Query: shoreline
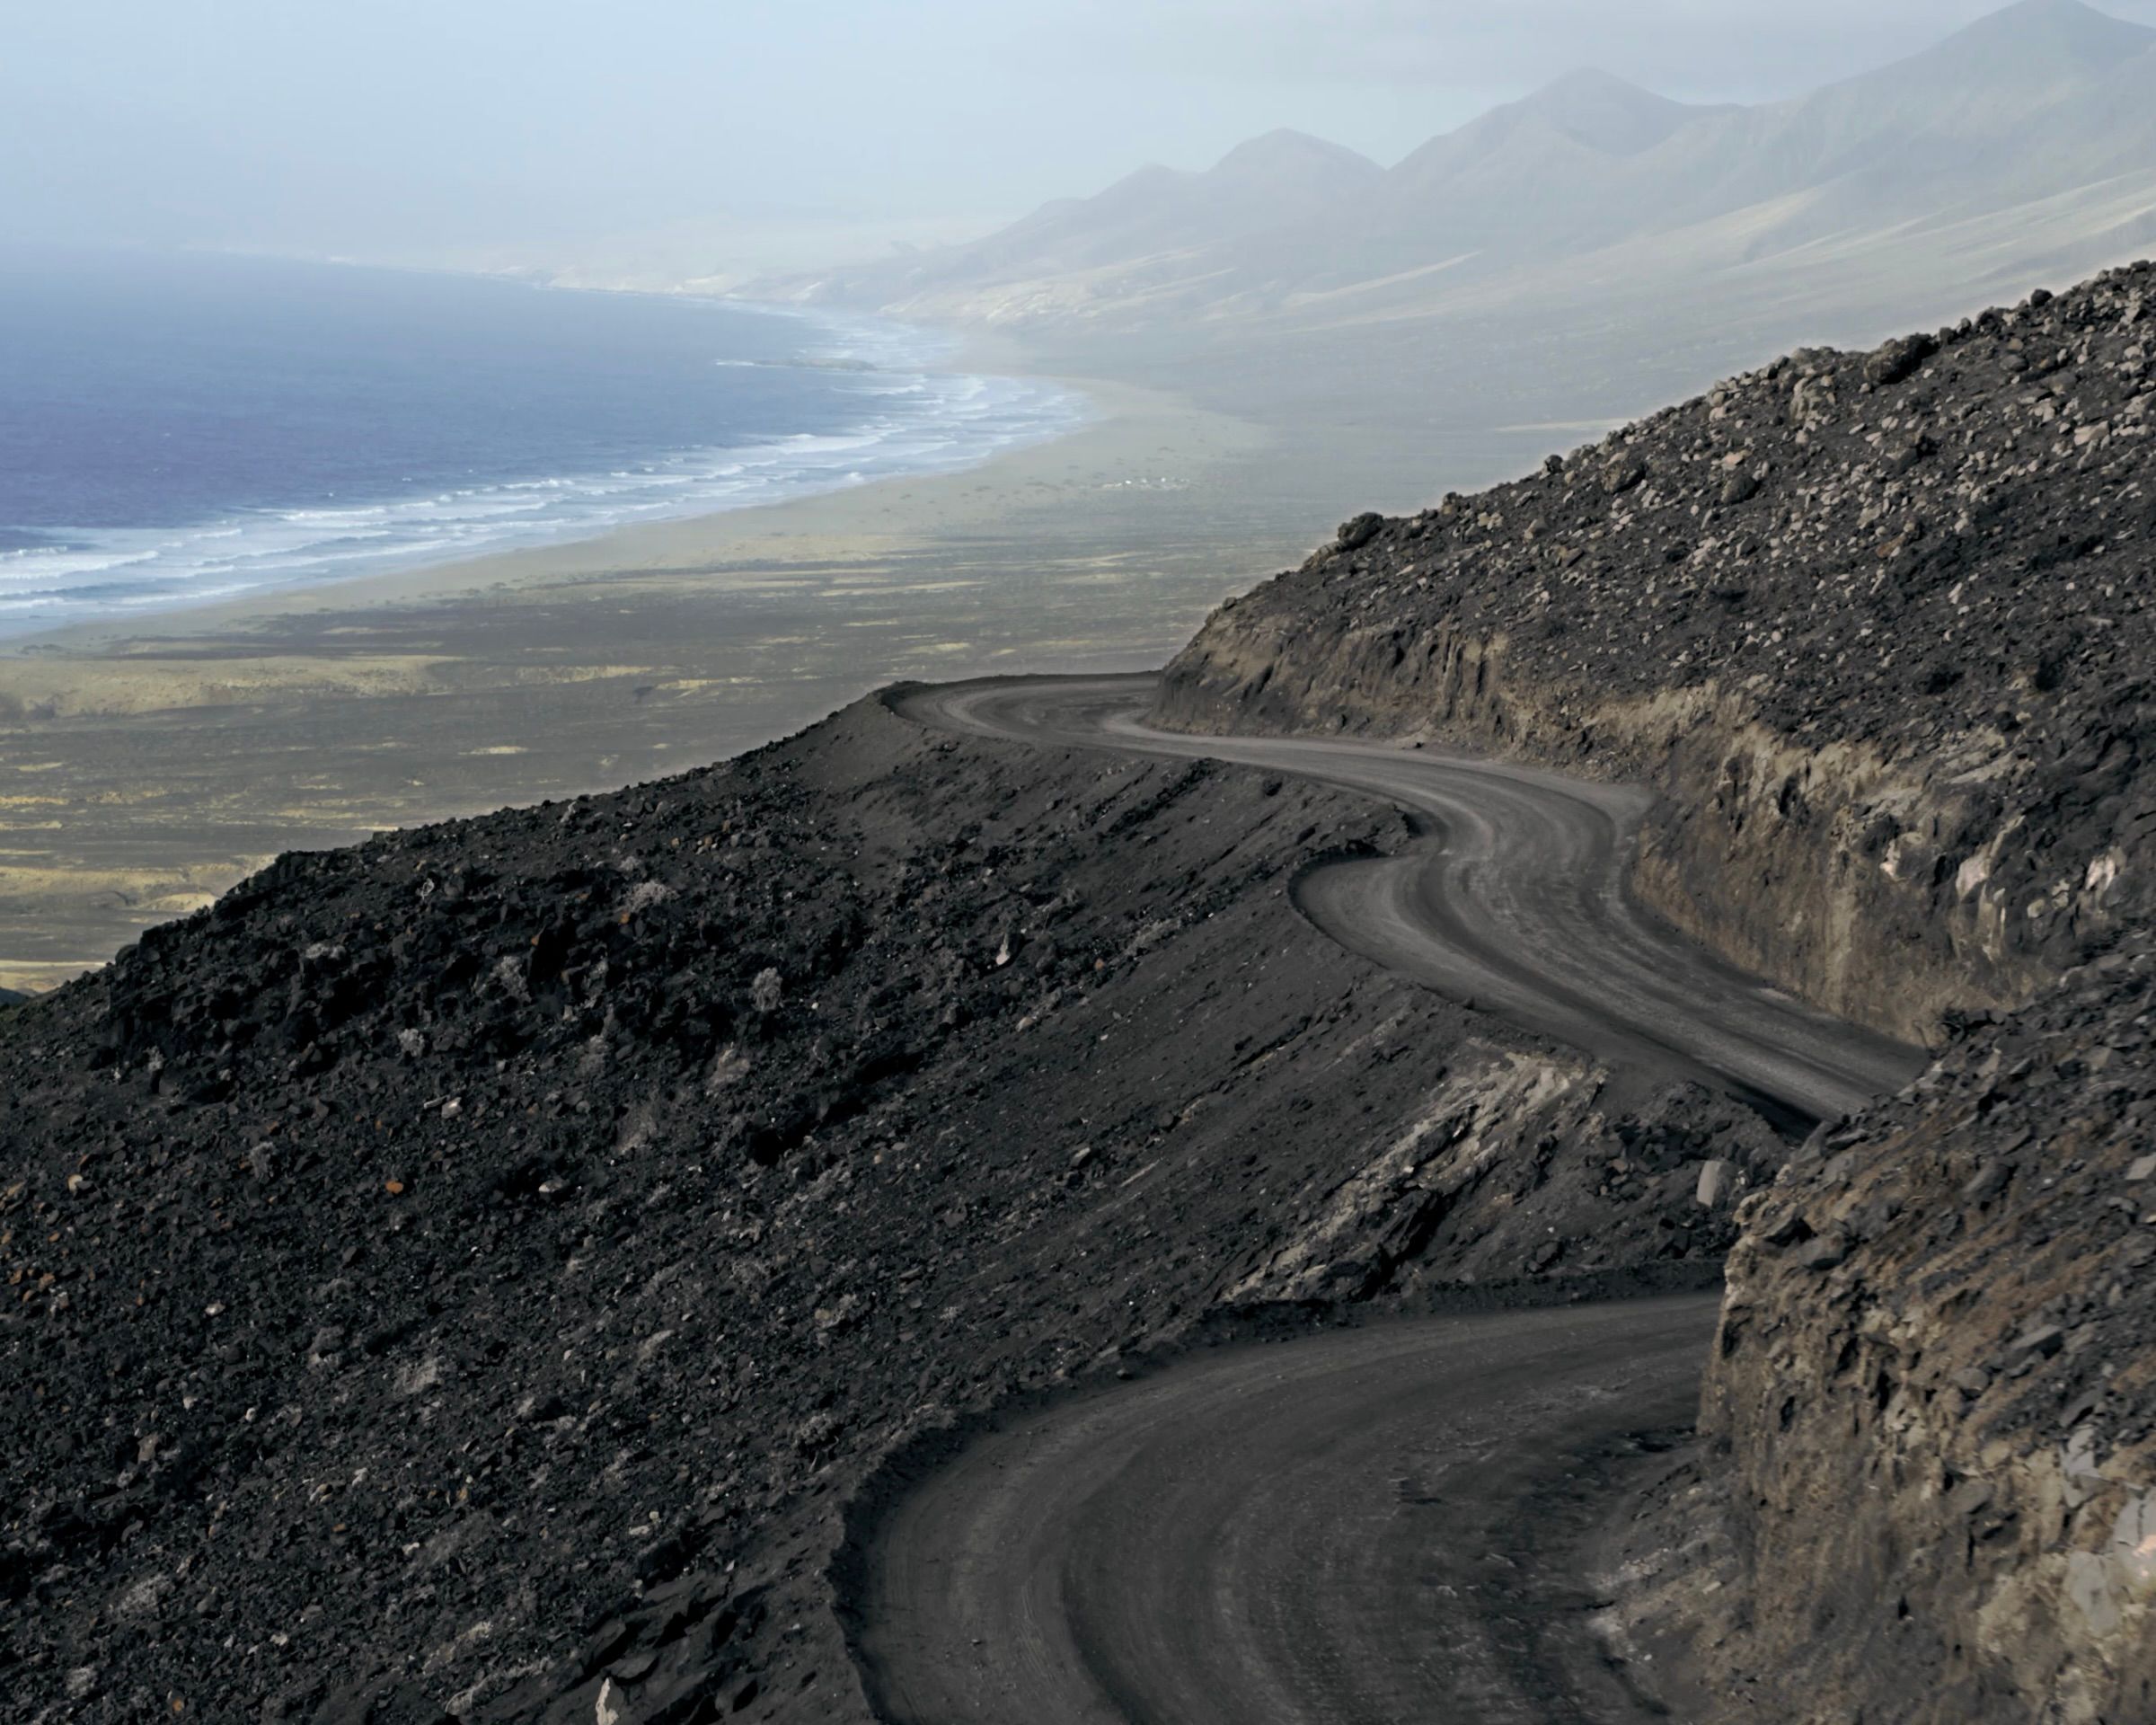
x=656, y=545
x=150, y=762
x=971, y=416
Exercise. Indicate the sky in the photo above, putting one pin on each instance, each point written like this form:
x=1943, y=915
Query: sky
x=659, y=137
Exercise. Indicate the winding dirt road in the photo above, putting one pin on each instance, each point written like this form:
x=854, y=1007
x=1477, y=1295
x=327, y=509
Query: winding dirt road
x=1516, y=902
x=1353, y=1528
x=1337, y=1529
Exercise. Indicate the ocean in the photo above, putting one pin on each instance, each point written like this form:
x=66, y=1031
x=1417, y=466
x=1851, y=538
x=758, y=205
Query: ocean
x=175, y=429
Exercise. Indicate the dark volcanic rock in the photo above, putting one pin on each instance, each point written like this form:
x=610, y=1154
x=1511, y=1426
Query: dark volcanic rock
x=1883, y=627
x=1354, y=535
x=1879, y=624
x=1899, y=360
x=1953, y=1419
x=466, y=1273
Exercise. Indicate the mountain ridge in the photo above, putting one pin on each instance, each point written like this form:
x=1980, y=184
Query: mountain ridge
x=1597, y=110
x=2047, y=100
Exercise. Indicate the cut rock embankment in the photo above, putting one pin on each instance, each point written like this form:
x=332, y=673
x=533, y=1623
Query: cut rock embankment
x=1962, y=1281
x=1876, y=625
x=1881, y=628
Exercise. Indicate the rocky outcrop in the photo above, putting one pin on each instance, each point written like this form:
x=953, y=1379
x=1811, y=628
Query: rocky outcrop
x=1936, y=1384
x=1514, y=1158
x=1878, y=625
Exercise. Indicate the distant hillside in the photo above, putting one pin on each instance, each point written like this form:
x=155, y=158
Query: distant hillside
x=1158, y=218
x=2026, y=142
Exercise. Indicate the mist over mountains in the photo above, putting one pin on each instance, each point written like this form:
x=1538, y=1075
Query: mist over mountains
x=2023, y=144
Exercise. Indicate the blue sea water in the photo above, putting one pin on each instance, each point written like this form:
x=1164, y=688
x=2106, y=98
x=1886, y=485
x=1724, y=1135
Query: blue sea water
x=180, y=428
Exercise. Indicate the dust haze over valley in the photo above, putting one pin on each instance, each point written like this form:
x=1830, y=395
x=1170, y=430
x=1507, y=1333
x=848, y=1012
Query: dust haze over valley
x=710, y=1006
x=1580, y=256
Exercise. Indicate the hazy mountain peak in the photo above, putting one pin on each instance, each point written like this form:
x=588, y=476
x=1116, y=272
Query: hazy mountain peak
x=2001, y=71
x=1589, y=108
x=1153, y=177
x=1591, y=82
x=2040, y=119
x=1607, y=113
x=1286, y=149
x=2057, y=28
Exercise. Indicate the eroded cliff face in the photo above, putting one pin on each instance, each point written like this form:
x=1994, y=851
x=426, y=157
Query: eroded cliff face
x=1936, y=1383
x=1878, y=625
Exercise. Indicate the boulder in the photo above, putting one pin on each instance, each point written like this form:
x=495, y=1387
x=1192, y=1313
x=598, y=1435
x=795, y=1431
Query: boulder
x=1717, y=1179
x=1899, y=360
x=1354, y=534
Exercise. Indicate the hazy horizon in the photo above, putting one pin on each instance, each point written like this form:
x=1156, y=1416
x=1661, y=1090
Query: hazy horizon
x=665, y=137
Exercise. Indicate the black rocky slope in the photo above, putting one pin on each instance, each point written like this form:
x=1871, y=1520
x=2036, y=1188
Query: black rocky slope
x=466, y=1273
x=1883, y=627
x=1880, y=624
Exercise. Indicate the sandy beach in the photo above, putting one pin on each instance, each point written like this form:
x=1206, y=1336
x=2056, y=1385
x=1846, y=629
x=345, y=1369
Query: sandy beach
x=145, y=768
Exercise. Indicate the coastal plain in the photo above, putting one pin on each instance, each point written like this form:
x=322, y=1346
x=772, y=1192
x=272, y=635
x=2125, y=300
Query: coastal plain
x=145, y=768
x=147, y=765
